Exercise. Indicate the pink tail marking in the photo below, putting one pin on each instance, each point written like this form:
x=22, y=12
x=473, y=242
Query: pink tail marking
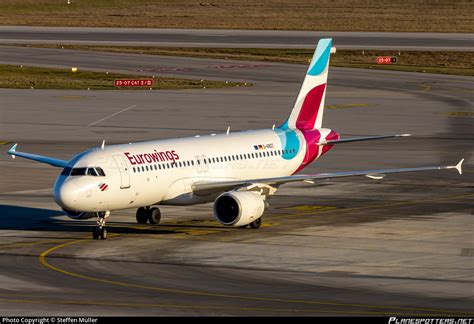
x=310, y=108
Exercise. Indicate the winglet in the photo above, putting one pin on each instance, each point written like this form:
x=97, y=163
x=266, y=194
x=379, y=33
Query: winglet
x=459, y=166
x=12, y=150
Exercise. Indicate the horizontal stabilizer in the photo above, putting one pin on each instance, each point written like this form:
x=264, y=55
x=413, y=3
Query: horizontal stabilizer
x=359, y=139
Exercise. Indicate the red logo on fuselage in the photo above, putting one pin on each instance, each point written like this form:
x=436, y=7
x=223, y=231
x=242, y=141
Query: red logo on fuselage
x=152, y=157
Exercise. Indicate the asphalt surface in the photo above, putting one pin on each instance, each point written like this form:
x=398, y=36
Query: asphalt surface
x=395, y=247
x=234, y=38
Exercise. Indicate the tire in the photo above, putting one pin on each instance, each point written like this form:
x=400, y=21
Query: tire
x=103, y=233
x=95, y=233
x=142, y=216
x=154, y=215
x=256, y=223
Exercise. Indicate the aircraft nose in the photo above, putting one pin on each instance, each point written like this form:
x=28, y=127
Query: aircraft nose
x=66, y=194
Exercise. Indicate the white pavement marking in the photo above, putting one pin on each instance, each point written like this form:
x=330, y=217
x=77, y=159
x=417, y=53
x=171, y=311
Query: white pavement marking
x=114, y=114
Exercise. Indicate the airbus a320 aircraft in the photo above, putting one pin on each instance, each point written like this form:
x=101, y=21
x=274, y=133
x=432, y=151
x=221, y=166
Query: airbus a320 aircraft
x=237, y=171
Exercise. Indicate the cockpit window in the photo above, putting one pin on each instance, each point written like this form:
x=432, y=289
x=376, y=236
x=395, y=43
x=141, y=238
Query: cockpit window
x=95, y=172
x=66, y=171
x=100, y=172
x=78, y=171
x=91, y=172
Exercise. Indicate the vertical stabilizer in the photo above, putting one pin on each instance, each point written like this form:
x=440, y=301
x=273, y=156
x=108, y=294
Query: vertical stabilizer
x=308, y=109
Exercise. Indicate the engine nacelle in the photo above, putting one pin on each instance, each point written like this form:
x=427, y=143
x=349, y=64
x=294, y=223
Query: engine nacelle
x=78, y=215
x=238, y=208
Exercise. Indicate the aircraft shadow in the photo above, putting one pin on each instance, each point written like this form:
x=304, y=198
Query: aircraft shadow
x=38, y=219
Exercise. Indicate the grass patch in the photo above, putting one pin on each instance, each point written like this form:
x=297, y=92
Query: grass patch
x=458, y=63
x=320, y=15
x=14, y=76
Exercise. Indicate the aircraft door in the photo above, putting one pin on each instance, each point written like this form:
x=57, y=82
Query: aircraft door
x=124, y=171
x=201, y=163
x=204, y=163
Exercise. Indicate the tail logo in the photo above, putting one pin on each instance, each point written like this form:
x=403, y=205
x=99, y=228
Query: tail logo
x=309, y=109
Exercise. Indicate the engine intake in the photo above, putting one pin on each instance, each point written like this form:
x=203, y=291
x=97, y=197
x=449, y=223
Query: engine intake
x=238, y=208
x=78, y=215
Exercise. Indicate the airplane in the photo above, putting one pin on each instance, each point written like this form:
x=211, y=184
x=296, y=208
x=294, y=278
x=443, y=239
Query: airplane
x=237, y=171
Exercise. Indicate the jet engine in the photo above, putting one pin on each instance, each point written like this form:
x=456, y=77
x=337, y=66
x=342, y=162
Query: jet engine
x=238, y=208
x=78, y=215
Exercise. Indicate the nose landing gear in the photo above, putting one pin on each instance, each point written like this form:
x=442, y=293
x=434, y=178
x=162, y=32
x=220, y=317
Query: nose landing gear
x=100, y=231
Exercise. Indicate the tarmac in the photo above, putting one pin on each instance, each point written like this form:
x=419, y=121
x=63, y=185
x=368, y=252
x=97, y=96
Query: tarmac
x=399, y=246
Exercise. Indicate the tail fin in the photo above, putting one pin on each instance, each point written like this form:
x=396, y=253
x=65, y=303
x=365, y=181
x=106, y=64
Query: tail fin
x=307, y=112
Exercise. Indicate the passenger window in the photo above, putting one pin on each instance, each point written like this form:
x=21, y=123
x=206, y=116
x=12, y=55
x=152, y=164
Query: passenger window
x=78, y=171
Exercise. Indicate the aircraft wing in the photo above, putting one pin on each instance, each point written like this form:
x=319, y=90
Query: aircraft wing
x=38, y=158
x=209, y=187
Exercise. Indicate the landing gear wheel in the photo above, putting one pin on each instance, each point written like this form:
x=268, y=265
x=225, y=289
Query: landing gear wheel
x=142, y=216
x=154, y=215
x=103, y=233
x=96, y=233
x=100, y=231
x=256, y=224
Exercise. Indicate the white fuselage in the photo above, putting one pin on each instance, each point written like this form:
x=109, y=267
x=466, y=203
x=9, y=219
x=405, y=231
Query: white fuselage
x=163, y=171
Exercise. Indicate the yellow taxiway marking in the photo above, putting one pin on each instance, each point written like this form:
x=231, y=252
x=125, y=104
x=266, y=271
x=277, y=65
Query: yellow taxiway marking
x=311, y=208
x=4, y=143
x=22, y=244
x=401, y=203
x=43, y=261
x=459, y=113
x=258, y=309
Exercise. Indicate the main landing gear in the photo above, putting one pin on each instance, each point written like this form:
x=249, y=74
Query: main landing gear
x=147, y=214
x=255, y=224
x=100, y=231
